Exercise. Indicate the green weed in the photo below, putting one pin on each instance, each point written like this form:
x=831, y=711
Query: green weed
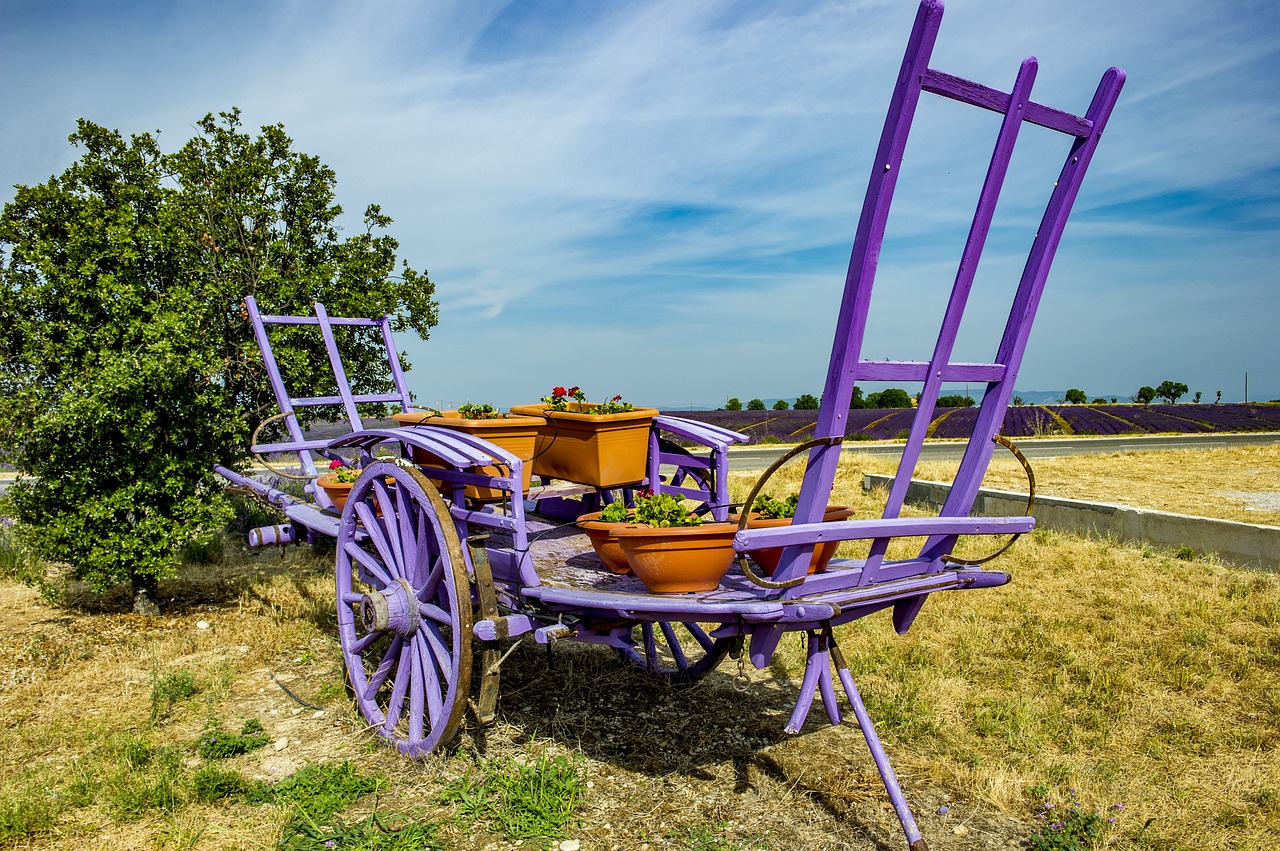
x=210, y=783
x=216, y=743
x=710, y=837
x=147, y=779
x=523, y=802
x=29, y=812
x=317, y=792
x=168, y=690
x=374, y=833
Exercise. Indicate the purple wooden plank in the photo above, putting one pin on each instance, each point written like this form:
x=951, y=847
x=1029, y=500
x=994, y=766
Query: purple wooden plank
x=919, y=371
x=967, y=91
x=312, y=320
x=905, y=527
x=335, y=361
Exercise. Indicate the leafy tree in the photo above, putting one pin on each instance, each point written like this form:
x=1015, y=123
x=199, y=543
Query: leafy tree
x=1017, y=400
x=807, y=402
x=892, y=398
x=1196, y=399
x=857, y=400
x=1171, y=390
x=734, y=404
x=755, y=405
x=1145, y=395
x=780, y=405
x=959, y=400
x=1075, y=396
x=127, y=364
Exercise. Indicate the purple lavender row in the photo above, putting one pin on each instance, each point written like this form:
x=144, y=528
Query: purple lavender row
x=1020, y=421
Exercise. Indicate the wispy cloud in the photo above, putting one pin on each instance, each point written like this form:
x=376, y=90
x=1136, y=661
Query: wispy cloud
x=648, y=195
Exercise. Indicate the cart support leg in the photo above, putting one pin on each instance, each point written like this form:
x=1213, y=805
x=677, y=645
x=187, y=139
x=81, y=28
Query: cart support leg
x=823, y=653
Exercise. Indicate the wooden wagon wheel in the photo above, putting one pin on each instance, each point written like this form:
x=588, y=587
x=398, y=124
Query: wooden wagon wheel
x=674, y=651
x=404, y=608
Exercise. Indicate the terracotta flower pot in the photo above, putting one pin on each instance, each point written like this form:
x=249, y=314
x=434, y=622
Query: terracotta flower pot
x=769, y=557
x=601, y=450
x=516, y=434
x=336, y=491
x=339, y=491
x=604, y=538
x=679, y=559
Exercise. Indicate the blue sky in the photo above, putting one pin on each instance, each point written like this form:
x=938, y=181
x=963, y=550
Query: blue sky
x=658, y=198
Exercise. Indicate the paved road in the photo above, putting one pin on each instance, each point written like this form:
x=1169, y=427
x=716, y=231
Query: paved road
x=760, y=457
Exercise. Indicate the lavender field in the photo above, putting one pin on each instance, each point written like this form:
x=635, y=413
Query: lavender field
x=1020, y=421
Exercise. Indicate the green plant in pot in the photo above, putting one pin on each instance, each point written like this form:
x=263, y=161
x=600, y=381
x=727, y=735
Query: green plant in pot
x=672, y=549
x=767, y=512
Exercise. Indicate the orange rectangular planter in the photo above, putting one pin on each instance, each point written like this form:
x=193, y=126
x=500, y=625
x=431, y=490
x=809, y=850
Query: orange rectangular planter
x=516, y=434
x=601, y=450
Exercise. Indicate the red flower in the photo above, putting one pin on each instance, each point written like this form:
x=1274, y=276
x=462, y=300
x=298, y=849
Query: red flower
x=559, y=391
x=573, y=391
x=616, y=399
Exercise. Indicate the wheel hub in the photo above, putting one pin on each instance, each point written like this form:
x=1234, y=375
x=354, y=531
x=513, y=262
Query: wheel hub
x=394, y=608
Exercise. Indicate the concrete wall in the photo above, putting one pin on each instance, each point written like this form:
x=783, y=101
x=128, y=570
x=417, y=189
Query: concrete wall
x=1242, y=544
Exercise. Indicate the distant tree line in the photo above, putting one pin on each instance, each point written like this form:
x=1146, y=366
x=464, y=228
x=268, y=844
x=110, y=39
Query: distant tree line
x=894, y=397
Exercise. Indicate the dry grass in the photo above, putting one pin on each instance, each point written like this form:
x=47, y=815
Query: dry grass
x=1203, y=482
x=1129, y=675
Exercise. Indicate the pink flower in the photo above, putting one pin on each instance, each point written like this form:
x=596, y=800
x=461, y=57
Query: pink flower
x=335, y=464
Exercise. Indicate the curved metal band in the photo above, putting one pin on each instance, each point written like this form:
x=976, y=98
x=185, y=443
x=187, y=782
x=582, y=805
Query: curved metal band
x=745, y=516
x=253, y=441
x=1031, y=502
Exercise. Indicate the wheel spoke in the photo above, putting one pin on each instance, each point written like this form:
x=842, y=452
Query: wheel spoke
x=699, y=634
x=416, y=696
x=409, y=542
x=384, y=668
x=378, y=536
x=363, y=644
x=399, y=686
x=435, y=613
x=382, y=497
x=673, y=643
x=440, y=652
x=369, y=563
x=432, y=584
x=433, y=684
x=351, y=598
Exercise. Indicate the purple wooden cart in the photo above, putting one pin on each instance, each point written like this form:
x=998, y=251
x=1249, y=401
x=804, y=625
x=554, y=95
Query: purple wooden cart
x=425, y=578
